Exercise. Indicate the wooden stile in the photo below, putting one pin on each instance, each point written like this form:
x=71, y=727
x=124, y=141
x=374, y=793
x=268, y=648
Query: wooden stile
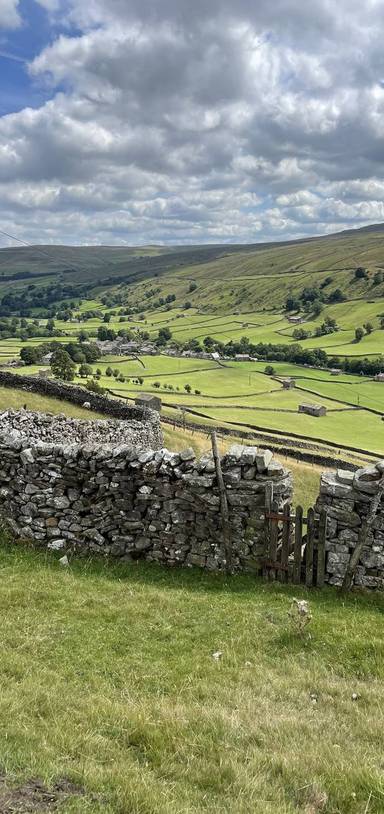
x=321, y=549
x=309, y=549
x=298, y=545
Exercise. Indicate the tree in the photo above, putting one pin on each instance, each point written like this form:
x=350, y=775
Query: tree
x=165, y=333
x=95, y=387
x=292, y=303
x=83, y=336
x=378, y=278
x=30, y=356
x=368, y=327
x=187, y=388
x=359, y=333
x=85, y=370
x=337, y=296
x=269, y=370
x=109, y=371
x=192, y=287
x=164, y=336
x=360, y=273
x=62, y=366
x=382, y=323
x=187, y=305
x=106, y=334
x=107, y=318
x=317, y=308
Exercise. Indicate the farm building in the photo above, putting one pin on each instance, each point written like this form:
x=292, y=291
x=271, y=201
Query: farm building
x=379, y=377
x=335, y=371
x=288, y=384
x=295, y=320
x=313, y=409
x=149, y=401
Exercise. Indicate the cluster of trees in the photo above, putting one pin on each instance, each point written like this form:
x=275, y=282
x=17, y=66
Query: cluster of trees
x=312, y=299
x=170, y=387
x=362, y=274
x=24, y=301
x=78, y=352
x=366, y=329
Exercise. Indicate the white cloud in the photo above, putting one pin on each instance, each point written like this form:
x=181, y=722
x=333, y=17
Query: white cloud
x=9, y=14
x=201, y=122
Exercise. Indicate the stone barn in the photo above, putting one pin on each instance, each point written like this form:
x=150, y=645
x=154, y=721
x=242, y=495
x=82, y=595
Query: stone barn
x=316, y=410
x=288, y=384
x=148, y=400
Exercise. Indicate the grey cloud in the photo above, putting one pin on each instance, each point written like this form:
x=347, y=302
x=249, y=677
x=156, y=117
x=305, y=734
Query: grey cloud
x=202, y=122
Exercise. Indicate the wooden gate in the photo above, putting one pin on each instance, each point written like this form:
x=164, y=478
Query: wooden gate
x=292, y=552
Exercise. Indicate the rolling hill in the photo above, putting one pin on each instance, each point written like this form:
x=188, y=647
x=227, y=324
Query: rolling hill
x=224, y=278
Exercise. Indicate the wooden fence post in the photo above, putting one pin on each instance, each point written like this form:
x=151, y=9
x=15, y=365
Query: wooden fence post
x=285, y=543
x=309, y=548
x=298, y=545
x=274, y=536
x=223, y=505
x=267, y=525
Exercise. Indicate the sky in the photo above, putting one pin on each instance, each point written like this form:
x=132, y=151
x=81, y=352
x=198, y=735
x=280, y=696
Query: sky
x=189, y=121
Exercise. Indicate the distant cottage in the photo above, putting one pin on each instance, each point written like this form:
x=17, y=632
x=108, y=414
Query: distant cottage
x=313, y=409
x=288, y=384
x=379, y=377
x=335, y=371
x=295, y=320
x=149, y=401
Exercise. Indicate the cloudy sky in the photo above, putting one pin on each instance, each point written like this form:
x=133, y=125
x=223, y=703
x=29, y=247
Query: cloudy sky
x=171, y=121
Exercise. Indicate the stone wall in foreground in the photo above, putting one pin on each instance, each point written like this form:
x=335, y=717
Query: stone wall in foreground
x=128, y=501
x=347, y=497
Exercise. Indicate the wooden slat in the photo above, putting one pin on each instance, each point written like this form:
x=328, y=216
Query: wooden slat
x=267, y=526
x=309, y=548
x=321, y=549
x=298, y=545
x=278, y=516
x=285, y=543
x=273, y=540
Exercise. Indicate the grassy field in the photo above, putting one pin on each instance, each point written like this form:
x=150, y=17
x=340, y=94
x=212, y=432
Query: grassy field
x=108, y=680
x=241, y=394
x=233, y=291
x=16, y=399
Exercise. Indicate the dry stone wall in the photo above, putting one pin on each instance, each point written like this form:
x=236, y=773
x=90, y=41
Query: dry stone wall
x=347, y=497
x=70, y=486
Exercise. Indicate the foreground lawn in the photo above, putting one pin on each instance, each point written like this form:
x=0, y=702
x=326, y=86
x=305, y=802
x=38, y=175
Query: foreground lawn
x=108, y=680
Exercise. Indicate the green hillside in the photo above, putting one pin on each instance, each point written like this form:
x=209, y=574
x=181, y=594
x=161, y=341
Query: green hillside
x=227, y=277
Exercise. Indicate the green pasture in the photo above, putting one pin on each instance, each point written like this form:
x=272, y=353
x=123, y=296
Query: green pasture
x=13, y=399
x=353, y=428
x=109, y=681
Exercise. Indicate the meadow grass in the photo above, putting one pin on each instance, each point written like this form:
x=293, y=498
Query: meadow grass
x=11, y=399
x=108, y=679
